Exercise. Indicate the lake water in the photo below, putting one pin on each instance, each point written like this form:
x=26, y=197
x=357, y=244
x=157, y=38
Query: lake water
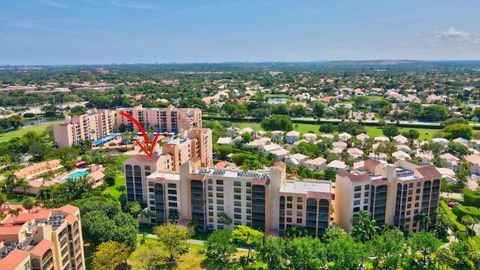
x=277, y=100
x=39, y=121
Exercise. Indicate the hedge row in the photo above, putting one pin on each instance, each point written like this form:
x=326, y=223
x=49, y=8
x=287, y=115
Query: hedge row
x=457, y=226
x=471, y=198
x=462, y=211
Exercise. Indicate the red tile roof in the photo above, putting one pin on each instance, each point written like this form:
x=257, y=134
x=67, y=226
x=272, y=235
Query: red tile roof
x=41, y=248
x=13, y=259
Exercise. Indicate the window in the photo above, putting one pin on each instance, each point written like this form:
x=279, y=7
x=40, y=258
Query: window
x=220, y=189
x=299, y=220
x=172, y=185
x=172, y=192
x=356, y=202
x=220, y=195
x=237, y=190
x=219, y=182
x=237, y=210
x=289, y=199
x=237, y=197
x=147, y=168
x=237, y=183
x=367, y=187
x=299, y=206
x=219, y=201
x=289, y=205
x=210, y=181
x=365, y=208
x=356, y=209
x=410, y=185
x=366, y=194
x=358, y=188
x=357, y=195
x=299, y=200
x=289, y=219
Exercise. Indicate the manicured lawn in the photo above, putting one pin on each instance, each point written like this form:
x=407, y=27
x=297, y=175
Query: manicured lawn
x=302, y=128
x=21, y=131
x=119, y=188
x=17, y=198
x=191, y=260
x=425, y=134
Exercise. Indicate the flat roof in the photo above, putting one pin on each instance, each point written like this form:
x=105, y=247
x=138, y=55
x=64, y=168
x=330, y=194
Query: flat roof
x=306, y=186
x=169, y=176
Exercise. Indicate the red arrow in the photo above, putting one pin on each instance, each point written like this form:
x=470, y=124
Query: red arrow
x=145, y=136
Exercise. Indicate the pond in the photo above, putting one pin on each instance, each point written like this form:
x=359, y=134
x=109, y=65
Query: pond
x=277, y=100
x=39, y=121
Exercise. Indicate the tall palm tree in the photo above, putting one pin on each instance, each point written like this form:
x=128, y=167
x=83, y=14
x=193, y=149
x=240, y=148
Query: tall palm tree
x=424, y=221
x=14, y=213
x=364, y=227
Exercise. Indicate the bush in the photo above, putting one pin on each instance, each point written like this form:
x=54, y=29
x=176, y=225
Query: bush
x=462, y=211
x=457, y=226
x=471, y=198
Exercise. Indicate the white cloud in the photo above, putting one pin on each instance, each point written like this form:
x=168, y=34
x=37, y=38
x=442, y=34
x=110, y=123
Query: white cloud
x=456, y=35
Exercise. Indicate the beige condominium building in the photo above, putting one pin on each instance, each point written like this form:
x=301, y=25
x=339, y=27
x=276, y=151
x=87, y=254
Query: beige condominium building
x=396, y=194
x=100, y=122
x=93, y=126
x=170, y=119
x=264, y=200
x=46, y=239
x=196, y=146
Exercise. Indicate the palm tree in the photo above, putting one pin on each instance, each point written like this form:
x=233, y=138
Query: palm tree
x=28, y=204
x=173, y=215
x=364, y=227
x=14, y=213
x=424, y=221
x=23, y=185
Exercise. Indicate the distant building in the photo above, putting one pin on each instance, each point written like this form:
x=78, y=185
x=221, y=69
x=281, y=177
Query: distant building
x=92, y=126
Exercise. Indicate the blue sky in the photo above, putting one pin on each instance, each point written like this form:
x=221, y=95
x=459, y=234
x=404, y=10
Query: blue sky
x=128, y=31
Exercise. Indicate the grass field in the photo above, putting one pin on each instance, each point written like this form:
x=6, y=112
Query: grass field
x=21, y=131
x=119, y=188
x=425, y=134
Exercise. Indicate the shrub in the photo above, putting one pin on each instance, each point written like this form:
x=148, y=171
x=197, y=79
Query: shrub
x=457, y=226
x=462, y=211
x=471, y=198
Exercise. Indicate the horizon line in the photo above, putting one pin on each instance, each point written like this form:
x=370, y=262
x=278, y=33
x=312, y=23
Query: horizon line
x=243, y=62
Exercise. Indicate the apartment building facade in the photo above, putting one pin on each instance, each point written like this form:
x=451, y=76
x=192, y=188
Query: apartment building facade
x=99, y=123
x=46, y=239
x=264, y=200
x=196, y=148
x=397, y=194
x=170, y=119
x=93, y=126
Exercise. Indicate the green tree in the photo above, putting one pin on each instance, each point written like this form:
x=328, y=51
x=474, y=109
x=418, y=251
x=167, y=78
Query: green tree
x=425, y=243
x=390, y=131
x=388, y=250
x=412, y=134
x=318, y=109
x=442, y=223
x=469, y=220
x=306, y=253
x=364, y=227
x=173, y=215
x=457, y=149
x=458, y=131
x=173, y=237
x=219, y=245
x=277, y=122
x=272, y=250
x=133, y=208
x=345, y=253
x=246, y=236
x=333, y=233
x=110, y=255
x=28, y=203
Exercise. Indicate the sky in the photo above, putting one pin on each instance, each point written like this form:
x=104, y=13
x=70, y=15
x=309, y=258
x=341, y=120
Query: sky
x=57, y=32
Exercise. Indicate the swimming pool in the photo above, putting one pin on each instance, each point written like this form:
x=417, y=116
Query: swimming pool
x=79, y=174
x=74, y=176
